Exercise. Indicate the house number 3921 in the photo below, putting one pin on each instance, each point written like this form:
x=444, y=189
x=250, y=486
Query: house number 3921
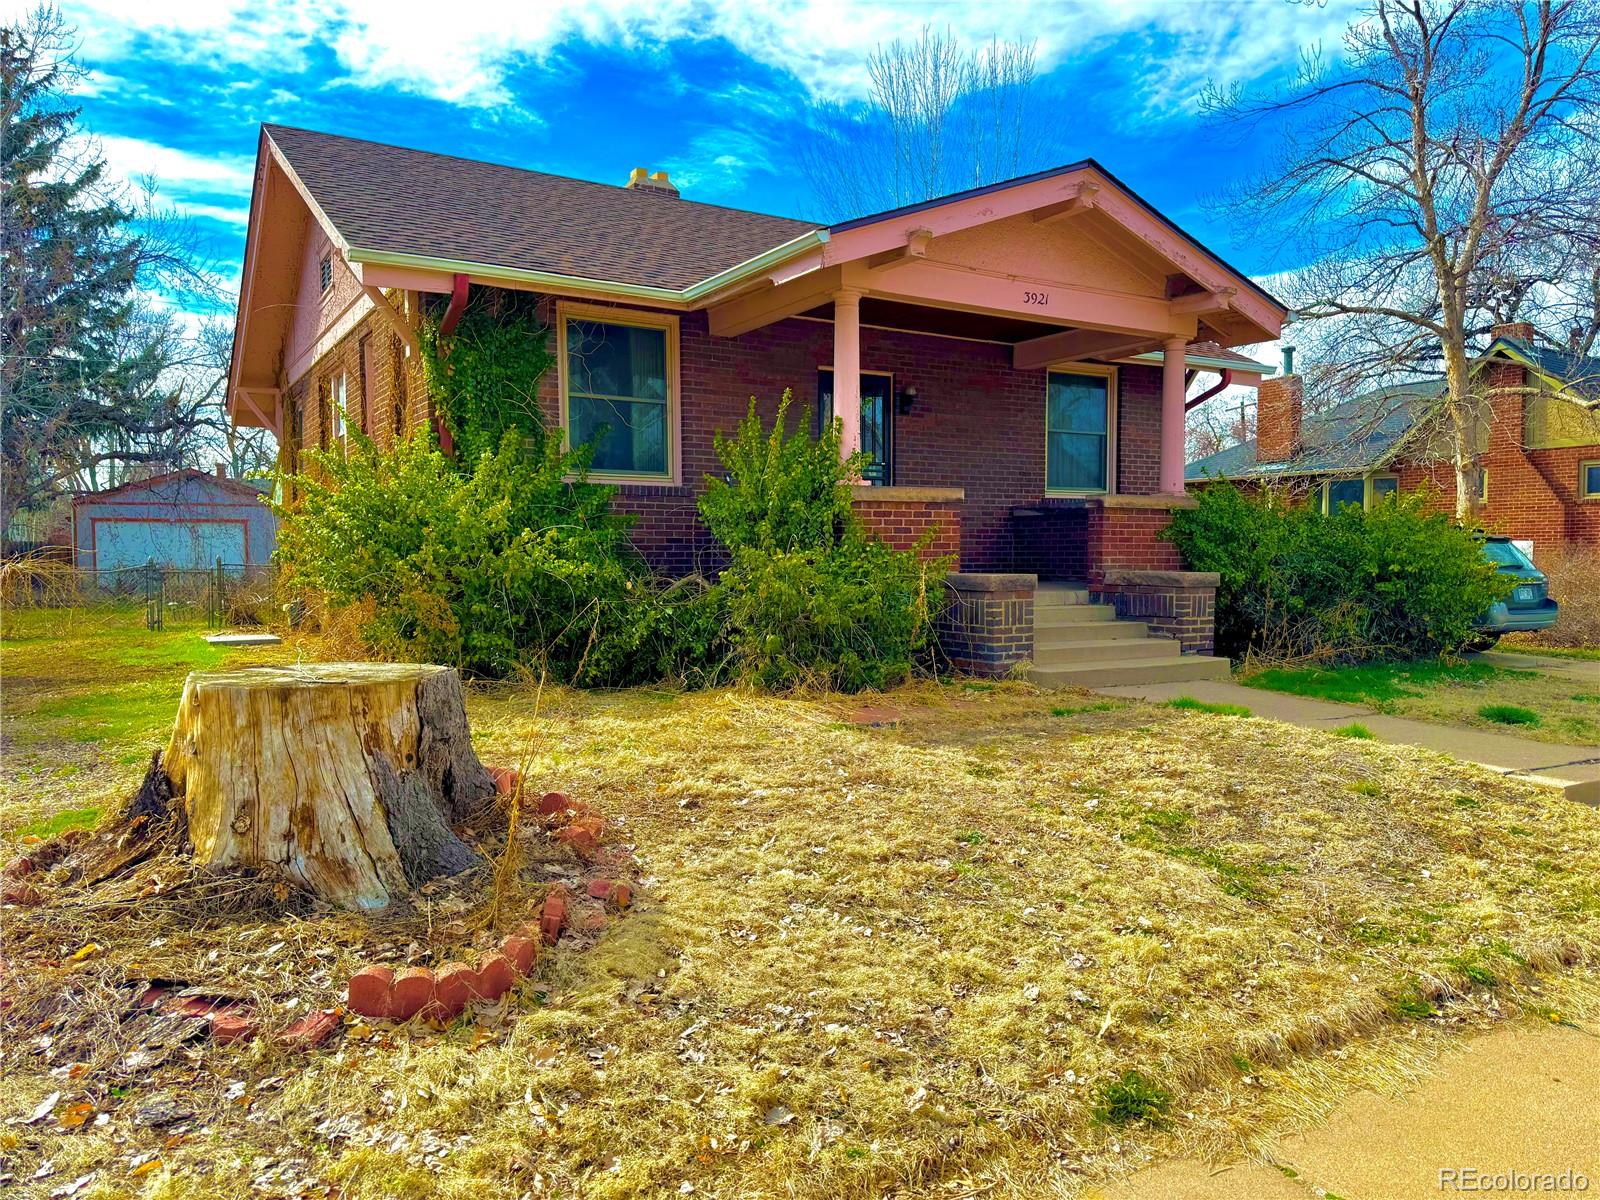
x=1040, y=298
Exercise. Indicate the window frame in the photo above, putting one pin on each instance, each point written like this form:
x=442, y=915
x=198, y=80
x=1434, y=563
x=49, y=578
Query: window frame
x=1368, y=494
x=1584, y=466
x=1113, y=406
x=637, y=319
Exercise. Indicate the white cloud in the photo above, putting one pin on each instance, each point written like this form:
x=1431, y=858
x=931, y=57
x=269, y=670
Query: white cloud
x=179, y=172
x=462, y=55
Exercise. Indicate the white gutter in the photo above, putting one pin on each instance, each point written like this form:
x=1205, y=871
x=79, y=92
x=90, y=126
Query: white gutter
x=553, y=281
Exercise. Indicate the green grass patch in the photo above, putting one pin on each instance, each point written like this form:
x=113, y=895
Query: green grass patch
x=1366, y=787
x=1586, y=653
x=111, y=716
x=1410, y=1004
x=1190, y=704
x=1100, y=706
x=1375, y=684
x=1355, y=730
x=59, y=823
x=1509, y=714
x=1132, y=1097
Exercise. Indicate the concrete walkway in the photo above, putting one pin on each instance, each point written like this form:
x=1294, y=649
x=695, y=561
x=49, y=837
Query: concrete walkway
x=1522, y=1101
x=1573, y=770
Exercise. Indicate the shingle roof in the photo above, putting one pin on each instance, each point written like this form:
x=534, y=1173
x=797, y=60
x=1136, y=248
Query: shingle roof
x=1356, y=435
x=392, y=200
x=1581, y=374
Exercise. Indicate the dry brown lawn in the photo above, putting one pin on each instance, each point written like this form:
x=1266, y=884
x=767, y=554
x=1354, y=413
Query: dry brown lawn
x=863, y=961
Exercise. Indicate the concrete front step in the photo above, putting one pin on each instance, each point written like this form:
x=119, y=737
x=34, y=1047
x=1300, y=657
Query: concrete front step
x=1109, y=674
x=1060, y=593
x=1046, y=636
x=1072, y=614
x=1069, y=654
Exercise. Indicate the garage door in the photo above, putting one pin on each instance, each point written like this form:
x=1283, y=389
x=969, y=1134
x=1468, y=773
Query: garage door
x=132, y=543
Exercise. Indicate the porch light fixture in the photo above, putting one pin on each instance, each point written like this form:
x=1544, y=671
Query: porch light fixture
x=904, y=400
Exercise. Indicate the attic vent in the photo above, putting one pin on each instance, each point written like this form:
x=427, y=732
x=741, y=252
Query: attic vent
x=645, y=181
x=325, y=272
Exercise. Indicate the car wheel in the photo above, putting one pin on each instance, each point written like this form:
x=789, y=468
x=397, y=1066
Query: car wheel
x=1481, y=641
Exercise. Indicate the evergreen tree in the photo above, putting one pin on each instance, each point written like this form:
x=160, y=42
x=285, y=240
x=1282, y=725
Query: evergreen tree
x=81, y=359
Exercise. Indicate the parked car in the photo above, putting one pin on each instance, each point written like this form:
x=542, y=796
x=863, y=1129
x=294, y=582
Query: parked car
x=1528, y=607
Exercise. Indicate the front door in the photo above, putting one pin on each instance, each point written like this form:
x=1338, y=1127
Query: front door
x=877, y=422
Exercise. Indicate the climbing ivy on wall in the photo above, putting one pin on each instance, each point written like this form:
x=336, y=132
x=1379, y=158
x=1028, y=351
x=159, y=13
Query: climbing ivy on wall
x=484, y=377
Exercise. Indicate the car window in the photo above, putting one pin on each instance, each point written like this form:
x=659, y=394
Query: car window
x=1505, y=554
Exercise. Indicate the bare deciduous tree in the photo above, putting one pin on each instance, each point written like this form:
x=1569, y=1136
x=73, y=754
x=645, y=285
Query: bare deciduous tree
x=939, y=119
x=1441, y=175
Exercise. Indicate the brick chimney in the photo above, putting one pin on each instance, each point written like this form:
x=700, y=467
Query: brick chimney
x=222, y=470
x=646, y=181
x=1280, y=404
x=1514, y=331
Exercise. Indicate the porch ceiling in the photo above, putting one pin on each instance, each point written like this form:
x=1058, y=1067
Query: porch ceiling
x=922, y=318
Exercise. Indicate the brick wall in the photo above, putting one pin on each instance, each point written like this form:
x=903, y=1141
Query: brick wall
x=1179, y=604
x=1127, y=538
x=925, y=518
x=987, y=625
x=1051, y=539
x=977, y=425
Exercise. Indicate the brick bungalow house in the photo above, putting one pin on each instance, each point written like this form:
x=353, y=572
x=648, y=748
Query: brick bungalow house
x=1019, y=354
x=1539, y=444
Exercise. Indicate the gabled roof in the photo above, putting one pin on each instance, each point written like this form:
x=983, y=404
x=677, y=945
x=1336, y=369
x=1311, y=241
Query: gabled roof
x=244, y=487
x=1358, y=435
x=1568, y=372
x=393, y=200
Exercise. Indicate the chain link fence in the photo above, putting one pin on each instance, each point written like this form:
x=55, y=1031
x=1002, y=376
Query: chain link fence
x=160, y=597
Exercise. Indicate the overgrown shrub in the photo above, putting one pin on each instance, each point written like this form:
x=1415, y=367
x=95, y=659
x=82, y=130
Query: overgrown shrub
x=808, y=597
x=515, y=562
x=1398, y=580
x=1574, y=578
x=484, y=377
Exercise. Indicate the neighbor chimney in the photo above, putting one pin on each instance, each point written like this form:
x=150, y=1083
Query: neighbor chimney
x=645, y=181
x=1514, y=331
x=222, y=470
x=1280, y=403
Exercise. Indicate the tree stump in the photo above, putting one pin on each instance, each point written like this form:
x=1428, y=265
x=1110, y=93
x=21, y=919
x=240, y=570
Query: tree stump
x=345, y=776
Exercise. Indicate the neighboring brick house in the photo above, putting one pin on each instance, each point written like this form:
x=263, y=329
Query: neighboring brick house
x=1538, y=444
x=1019, y=353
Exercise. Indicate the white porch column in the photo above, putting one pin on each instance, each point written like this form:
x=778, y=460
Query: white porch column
x=1172, y=393
x=847, y=369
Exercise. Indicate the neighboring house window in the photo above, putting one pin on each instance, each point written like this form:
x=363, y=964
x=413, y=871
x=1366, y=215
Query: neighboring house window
x=1363, y=492
x=1078, y=423
x=325, y=273
x=1589, y=481
x=619, y=389
x=1337, y=493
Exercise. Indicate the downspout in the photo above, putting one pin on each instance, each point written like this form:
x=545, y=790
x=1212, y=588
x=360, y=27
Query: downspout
x=447, y=326
x=1225, y=381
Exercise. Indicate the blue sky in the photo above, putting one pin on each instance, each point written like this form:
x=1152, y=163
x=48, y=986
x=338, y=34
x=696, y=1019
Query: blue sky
x=718, y=92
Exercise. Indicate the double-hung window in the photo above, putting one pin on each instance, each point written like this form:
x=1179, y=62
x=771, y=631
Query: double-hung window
x=1079, y=407
x=619, y=389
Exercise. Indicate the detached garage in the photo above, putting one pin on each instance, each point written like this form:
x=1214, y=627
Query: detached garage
x=182, y=519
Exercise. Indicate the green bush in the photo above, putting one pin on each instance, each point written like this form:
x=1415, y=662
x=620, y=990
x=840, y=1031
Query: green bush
x=1395, y=581
x=517, y=562
x=484, y=378
x=808, y=597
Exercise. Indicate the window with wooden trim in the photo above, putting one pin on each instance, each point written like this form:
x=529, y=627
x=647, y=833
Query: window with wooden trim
x=1080, y=419
x=619, y=389
x=1363, y=491
x=1589, y=480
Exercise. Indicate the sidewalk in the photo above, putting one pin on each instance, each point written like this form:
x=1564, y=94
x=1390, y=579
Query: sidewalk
x=1524, y=1100
x=1573, y=770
